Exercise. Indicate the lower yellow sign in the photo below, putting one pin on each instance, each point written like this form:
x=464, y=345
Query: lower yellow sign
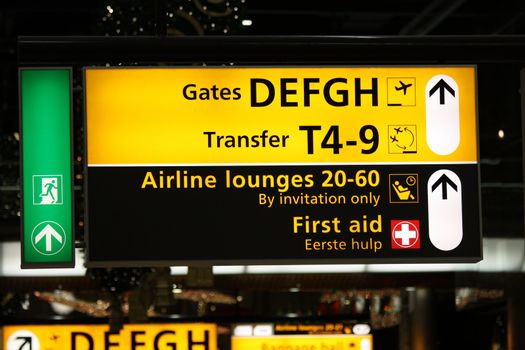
x=310, y=342
x=93, y=337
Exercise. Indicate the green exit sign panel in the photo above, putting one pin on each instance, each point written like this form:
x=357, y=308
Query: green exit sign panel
x=47, y=209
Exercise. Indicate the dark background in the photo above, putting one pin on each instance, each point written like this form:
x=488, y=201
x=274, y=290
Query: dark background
x=479, y=325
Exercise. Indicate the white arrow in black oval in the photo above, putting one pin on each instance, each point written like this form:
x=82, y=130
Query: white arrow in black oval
x=442, y=114
x=445, y=210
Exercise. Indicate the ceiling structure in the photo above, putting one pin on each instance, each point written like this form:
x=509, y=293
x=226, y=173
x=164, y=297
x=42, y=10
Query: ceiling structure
x=405, y=17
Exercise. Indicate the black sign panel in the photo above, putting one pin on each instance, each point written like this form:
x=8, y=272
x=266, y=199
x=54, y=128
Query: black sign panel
x=277, y=214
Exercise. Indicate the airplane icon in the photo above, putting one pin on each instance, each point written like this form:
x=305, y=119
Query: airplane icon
x=403, y=87
x=398, y=130
x=394, y=139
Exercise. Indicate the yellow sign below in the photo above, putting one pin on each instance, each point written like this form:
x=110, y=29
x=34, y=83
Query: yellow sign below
x=92, y=337
x=307, y=342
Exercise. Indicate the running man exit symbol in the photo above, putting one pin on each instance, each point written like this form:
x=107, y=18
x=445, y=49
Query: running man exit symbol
x=47, y=189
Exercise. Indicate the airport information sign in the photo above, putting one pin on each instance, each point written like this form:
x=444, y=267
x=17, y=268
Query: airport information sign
x=47, y=200
x=282, y=165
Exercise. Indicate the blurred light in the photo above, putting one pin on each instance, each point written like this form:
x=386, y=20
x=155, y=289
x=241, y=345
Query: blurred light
x=178, y=270
x=10, y=264
x=499, y=255
x=246, y=22
x=360, y=304
x=257, y=269
x=243, y=331
x=501, y=133
x=366, y=344
x=25, y=303
x=110, y=10
x=229, y=270
x=361, y=329
x=263, y=330
x=63, y=309
x=173, y=316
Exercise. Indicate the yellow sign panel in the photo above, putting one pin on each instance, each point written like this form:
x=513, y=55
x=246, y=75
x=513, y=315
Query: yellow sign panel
x=310, y=342
x=281, y=115
x=95, y=337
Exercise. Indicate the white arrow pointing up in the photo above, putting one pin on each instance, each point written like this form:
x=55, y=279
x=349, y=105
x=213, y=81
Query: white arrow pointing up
x=442, y=114
x=48, y=232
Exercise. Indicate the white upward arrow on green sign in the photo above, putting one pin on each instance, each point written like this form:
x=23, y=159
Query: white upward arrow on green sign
x=48, y=233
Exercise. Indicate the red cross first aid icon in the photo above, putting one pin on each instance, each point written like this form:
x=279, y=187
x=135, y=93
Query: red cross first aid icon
x=405, y=234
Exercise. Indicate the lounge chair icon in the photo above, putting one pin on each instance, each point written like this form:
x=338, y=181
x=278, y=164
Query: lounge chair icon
x=403, y=193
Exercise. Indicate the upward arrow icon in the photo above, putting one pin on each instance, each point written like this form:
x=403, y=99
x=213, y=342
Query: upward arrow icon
x=442, y=85
x=444, y=181
x=445, y=210
x=48, y=233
